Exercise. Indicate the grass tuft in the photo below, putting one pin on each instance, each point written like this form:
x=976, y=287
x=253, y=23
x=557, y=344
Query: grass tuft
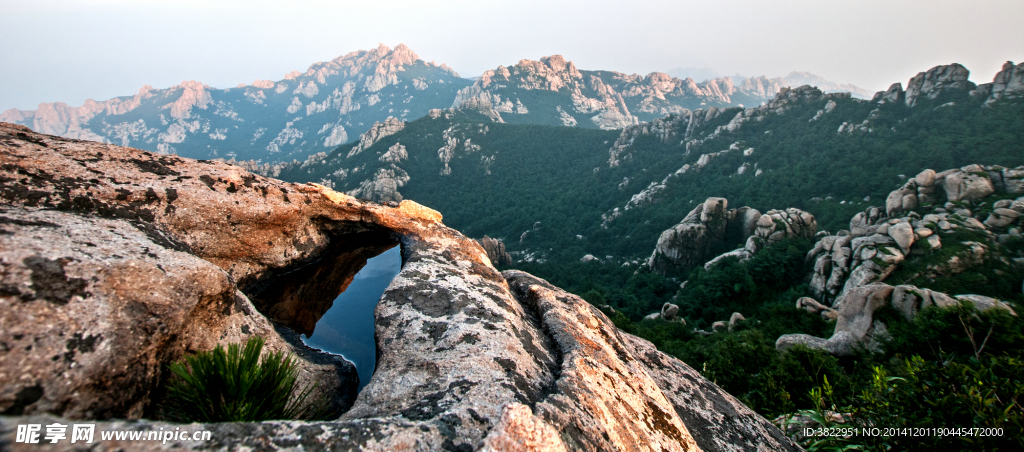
x=234, y=385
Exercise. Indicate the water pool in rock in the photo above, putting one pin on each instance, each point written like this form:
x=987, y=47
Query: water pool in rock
x=347, y=327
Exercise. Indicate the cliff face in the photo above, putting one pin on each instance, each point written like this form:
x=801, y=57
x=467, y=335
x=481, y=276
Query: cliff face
x=329, y=104
x=161, y=255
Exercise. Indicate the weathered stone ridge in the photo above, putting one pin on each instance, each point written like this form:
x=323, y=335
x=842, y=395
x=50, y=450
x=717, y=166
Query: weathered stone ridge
x=468, y=358
x=1008, y=83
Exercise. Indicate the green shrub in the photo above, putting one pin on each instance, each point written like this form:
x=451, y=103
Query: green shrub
x=235, y=386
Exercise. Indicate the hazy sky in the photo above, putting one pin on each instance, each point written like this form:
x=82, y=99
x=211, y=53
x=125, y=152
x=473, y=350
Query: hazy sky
x=65, y=50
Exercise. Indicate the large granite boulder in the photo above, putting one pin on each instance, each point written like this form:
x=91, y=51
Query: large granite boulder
x=934, y=81
x=93, y=309
x=969, y=183
x=495, y=249
x=692, y=241
x=699, y=238
x=468, y=358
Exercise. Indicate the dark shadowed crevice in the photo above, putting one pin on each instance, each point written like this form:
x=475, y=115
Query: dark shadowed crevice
x=299, y=298
x=331, y=300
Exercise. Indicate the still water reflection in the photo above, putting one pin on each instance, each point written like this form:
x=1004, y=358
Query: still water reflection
x=347, y=327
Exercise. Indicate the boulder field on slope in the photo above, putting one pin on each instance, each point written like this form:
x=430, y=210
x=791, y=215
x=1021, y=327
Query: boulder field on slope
x=880, y=239
x=138, y=258
x=850, y=268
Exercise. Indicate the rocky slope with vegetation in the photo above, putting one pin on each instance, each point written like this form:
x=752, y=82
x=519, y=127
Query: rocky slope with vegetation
x=143, y=258
x=581, y=192
x=925, y=290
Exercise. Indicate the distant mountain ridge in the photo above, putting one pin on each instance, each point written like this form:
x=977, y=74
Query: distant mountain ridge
x=553, y=91
x=320, y=108
x=795, y=79
x=334, y=102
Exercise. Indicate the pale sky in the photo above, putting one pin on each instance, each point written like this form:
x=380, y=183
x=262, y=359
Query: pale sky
x=68, y=51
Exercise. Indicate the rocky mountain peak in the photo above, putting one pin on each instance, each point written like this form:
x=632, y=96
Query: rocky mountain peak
x=381, y=59
x=550, y=73
x=936, y=80
x=1007, y=83
x=761, y=86
x=267, y=120
x=603, y=99
x=400, y=56
x=660, y=80
x=194, y=94
x=559, y=64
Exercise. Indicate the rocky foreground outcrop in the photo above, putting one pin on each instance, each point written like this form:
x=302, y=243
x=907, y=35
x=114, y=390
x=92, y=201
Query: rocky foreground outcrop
x=115, y=262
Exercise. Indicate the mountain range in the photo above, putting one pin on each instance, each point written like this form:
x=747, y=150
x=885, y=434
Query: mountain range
x=327, y=105
x=334, y=102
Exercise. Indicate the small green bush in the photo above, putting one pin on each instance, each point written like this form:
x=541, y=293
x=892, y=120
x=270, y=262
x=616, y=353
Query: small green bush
x=235, y=386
